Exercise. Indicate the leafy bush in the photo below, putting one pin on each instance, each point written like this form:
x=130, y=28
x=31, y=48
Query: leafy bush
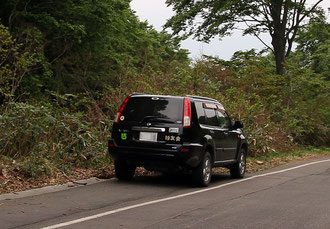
x=17, y=59
x=43, y=138
x=35, y=166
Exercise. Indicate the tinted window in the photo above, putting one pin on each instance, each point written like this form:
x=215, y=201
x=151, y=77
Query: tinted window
x=200, y=112
x=154, y=109
x=211, y=118
x=223, y=119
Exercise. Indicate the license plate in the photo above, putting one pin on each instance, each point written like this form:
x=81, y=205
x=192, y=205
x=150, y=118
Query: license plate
x=148, y=136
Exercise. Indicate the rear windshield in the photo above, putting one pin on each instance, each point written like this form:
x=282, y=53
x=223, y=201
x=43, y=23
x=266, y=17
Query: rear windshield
x=155, y=109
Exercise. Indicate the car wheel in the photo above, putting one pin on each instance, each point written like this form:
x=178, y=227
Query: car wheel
x=238, y=170
x=124, y=171
x=202, y=174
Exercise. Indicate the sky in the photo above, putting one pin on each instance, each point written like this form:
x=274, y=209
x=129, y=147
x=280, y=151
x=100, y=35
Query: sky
x=156, y=13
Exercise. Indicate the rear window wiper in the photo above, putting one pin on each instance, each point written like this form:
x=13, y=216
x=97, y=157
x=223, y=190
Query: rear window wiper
x=164, y=119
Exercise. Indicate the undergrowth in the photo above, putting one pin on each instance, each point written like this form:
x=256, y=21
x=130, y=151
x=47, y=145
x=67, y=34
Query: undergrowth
x=42, y=139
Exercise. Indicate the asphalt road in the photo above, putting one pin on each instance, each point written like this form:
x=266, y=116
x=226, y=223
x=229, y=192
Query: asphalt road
x=296, y=195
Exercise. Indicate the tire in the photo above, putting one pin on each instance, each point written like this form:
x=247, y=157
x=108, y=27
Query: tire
x=238, y=170
x=124, y=171
x=201, y=176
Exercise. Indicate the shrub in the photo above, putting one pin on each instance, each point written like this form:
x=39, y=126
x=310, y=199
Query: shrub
x=42, y=138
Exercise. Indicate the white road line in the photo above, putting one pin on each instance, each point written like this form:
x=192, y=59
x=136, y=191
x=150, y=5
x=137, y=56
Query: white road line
x=176, y=197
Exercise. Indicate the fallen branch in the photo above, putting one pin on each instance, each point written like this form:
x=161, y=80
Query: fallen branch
x=75, y=182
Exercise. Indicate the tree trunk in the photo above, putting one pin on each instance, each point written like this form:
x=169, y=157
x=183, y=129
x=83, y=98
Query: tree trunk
x=278, y=33
x=279, y=52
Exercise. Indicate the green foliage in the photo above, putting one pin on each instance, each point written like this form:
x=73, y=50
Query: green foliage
x=307, y=113
x=314, y=46
x=51, y=138
x=206, y=19
x=83, y=46
x=16, y=60
x=35, y=166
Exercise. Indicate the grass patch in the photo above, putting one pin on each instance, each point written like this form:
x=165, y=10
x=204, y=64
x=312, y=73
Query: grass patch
x=273, y=159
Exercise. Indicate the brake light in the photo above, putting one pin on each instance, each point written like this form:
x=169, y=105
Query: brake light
x=186, y=113
x=185, y=150
x=111, y=145
x=121, y=109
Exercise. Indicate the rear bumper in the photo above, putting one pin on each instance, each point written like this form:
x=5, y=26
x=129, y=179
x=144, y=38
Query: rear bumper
x=187, y=155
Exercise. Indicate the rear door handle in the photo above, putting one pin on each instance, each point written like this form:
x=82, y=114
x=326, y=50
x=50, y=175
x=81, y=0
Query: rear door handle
x=212, y=131
x=226, y=133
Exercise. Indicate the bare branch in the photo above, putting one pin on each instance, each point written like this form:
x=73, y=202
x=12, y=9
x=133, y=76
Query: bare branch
x=256, y=35
x=25, y=8
x=295, y=25
x=265, y=12
x=296, y=19
x=12, y=16
x=285, y=12
x=66, y=48
x=308, y=12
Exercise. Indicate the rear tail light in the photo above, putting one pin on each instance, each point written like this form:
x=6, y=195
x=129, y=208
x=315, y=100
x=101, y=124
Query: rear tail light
x=185, y=150
x=121, y=109
x=111, y=145
x=186, y=113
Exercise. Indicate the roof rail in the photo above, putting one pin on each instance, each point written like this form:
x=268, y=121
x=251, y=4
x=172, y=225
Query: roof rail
x=201, y=97
x=136, y=93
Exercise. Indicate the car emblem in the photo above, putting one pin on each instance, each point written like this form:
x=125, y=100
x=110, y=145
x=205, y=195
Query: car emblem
x=148, y=124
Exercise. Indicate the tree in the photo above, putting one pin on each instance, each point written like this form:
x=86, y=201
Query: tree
x=16, y=61
x=313, y=47
x=209, y=18
x=87, y=45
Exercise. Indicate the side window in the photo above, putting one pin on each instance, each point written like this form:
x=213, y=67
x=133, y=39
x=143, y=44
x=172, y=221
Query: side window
x=200, y=112
x=223, y=119
x=209, y=114
x=227, y=118
x=211, y=118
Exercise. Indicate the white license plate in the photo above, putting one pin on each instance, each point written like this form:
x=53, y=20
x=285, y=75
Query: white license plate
x=148, y=136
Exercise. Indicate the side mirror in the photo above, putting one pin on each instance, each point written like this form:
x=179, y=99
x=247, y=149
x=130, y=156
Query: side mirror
x=238, y=125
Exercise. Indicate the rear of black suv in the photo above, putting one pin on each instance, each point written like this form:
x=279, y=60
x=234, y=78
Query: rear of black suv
x=163, y=133
x=152, y=131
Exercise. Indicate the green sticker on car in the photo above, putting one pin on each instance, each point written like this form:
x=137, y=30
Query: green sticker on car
x=124, y=136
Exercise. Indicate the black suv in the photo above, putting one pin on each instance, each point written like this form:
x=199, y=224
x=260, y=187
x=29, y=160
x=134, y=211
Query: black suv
x=172, y=133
